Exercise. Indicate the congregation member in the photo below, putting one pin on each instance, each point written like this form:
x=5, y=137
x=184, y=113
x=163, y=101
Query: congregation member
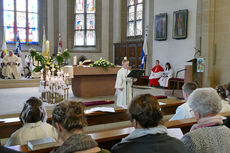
x=156, y=74
x=33, y=118
x=168, y=73
x=21, y=70
x=184, y=111
x=209, y=135
x=228, y=92
x=69, y=120
x=123, y=85
x=12, y=62
x=222, y=93
x=150, y=135
x=227, y=121
x=2, y=65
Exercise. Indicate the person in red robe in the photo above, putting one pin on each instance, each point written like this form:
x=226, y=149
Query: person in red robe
x=156, y=73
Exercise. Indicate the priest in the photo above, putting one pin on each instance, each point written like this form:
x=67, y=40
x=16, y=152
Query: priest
x=12, y=63
x=123, y=85
x=156, y=73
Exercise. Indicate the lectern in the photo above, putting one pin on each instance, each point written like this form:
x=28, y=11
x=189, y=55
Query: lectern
x=191, y=74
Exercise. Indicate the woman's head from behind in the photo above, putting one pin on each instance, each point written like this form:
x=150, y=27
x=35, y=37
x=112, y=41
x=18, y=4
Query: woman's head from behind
x=144, y=111
x=205, y=102
x=33, y=111
x=221, y=92
x=69, y=117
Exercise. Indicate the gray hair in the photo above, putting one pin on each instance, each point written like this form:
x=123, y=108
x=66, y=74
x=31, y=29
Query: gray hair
x=189, y=87
x=206, y=101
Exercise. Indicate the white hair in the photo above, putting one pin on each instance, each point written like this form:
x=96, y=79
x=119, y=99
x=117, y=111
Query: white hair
x=206, y=101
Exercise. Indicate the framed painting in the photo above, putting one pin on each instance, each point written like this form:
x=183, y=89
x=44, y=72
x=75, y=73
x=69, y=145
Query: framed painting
x=161, y=27
x=180, y=24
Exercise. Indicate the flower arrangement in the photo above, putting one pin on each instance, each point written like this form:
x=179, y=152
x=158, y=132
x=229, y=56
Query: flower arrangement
x=47, y=62
x=102, y=63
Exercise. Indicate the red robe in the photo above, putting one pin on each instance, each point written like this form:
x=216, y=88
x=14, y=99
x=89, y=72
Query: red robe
x=154, y=81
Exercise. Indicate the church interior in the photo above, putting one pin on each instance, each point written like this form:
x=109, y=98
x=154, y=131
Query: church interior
x=95, y=61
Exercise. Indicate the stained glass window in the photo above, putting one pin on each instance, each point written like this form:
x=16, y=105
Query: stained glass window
x=134, y=18
x=21, y=16
x=85, y=19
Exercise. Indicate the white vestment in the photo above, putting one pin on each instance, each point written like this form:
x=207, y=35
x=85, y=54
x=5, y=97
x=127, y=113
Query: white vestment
x=12, y=68
x=124, y=96
x=21, y=66
x=163, y=81
x=31, y=131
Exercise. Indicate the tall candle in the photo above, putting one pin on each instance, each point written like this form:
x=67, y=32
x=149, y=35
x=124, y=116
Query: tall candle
x=48, y=47
x=75, y=60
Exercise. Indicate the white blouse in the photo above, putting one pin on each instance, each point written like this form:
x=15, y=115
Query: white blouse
x=31, y=131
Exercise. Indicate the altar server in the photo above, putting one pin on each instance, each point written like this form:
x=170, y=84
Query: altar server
x=12, y=63
x=156, y=73
x=168, y=73
x=123, y=85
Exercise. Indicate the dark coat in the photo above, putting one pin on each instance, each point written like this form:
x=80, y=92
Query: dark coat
x=157, y=143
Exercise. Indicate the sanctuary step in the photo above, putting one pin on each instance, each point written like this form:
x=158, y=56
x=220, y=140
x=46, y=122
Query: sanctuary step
x=22, y=83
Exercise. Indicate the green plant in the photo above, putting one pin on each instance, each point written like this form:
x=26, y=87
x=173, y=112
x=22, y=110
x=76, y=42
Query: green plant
x=63, y=57
x=102, y=63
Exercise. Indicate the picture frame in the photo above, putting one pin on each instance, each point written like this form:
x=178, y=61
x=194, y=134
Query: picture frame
x=180, y=24
x=161, y=26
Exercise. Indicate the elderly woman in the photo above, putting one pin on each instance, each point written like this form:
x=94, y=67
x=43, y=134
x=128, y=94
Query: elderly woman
x=69, y=120
x=149, y=135
x=209, y=134
x=33, y=117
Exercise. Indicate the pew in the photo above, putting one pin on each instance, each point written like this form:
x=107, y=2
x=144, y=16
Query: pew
x=169, y=106
x=107, y=138
x=10, y=125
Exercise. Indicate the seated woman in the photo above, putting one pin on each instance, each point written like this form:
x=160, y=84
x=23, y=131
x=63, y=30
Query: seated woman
x=33, y=117
x=209, y=134
x=69, y=120
x=155, y=75
x=149, y=135
x=222, y=93
x=168, y=73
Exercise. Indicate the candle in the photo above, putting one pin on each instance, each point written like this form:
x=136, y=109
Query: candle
x=58, y=73
x=75, y=60
x=47, y=48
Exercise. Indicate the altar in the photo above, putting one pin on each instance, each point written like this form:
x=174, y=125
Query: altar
x=93, y=82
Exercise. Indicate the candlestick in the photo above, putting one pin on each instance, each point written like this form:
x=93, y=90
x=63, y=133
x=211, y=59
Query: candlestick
x=75, y=60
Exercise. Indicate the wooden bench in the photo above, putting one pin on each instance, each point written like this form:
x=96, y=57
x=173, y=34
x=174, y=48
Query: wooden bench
x=175, y=83
x=169, y=107
x=12, y=124
x=106, y=139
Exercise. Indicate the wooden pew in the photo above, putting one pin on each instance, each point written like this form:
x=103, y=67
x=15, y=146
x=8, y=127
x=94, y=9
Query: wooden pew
x=96, y=118
x=170, y=105
x=106, y=139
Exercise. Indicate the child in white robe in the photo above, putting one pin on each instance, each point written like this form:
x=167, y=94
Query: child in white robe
x=168, y=73
x=123, y=85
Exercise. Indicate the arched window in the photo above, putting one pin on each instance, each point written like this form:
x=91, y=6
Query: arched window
x=134, y=18
x=21, y=16
x=85, y=23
